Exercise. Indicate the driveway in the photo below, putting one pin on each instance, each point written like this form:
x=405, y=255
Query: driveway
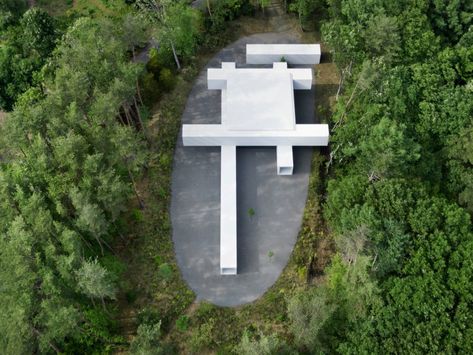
x=265, y=240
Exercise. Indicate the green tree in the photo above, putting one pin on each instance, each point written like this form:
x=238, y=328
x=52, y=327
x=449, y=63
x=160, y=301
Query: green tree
x=318, y=314
x=460, y=152
x=94, y=281
x=67, y=177
x=11, y=11
x=451, y=19
x=382, y=37
x=178, y=26
x=38, y=32
x=387, y=151
x=26, y=48
x=428, y=305
x=305, y=9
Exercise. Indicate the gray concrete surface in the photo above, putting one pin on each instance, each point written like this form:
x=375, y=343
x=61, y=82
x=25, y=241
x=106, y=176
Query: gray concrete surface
x=278, y=201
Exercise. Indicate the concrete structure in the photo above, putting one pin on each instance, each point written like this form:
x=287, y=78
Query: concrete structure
x=257, y=109
x=308, y=54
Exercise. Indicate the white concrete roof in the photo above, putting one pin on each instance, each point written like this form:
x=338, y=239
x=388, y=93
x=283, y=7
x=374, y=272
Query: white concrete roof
x=293, y=53
x=228, y=211
x=217, y=77
x=216, y=135
x=250, y=104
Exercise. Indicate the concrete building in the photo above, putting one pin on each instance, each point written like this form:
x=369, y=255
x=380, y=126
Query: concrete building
x=257, y=109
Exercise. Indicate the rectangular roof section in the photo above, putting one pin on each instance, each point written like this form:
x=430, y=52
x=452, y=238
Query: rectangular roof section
x=292, y=53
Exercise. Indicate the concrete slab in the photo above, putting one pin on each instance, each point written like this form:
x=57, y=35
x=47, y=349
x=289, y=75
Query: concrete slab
x=269, y=53
x=228, y=213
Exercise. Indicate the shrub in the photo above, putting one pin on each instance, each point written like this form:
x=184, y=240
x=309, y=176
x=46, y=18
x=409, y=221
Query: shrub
x=167, y=79
x=205, y=311
x=155, y=63
x=148, y=316
x=131, y=296
x=150, y=89
x=145, y=113
x=182, y=323
x=263, y=345
x=147, y=340
x=165, y=271
x=97, y=332
x=158, y=260
x=201, y=337
x=137, y=215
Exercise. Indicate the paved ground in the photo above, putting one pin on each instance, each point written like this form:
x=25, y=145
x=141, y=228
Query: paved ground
x=277, y=200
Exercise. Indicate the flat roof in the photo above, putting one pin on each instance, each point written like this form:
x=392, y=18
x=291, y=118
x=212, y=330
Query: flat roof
x=259, y=101
x=292, y=49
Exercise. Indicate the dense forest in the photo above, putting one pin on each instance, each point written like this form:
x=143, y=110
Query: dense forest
x=88, y=124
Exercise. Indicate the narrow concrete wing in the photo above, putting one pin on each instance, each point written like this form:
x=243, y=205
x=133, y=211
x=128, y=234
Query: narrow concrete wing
x=307, y=54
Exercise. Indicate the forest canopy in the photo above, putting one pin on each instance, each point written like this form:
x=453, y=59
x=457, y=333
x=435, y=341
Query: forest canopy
x=400, y=186
x=394, y=190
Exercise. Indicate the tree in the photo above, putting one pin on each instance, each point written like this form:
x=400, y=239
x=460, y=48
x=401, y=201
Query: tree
x=428, y=305
x=304, y=9
x=262, y=4
x=460, y=152
x=451, y=19
x=400, y=164
x=382, y=37
x=308, y=313
x=318, y=314
x=94, y=281
x=10, y=11
x=134, y=31
x=178, y=26
x=65, y=181
x=39, y=32
x=27, y=47
x=387, y=151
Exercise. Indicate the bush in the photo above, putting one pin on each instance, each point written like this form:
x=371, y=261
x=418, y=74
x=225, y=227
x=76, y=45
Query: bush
x=182, y=323
x=201, y=337
x=137, y=215
x=146, y=341
x=205, y=311
x=262, y=345
x=150, y=89
x=167, y=80
x=97, y=333
x=148, y=316
x=157, y=61
x=165, y=271
x=131, y=296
